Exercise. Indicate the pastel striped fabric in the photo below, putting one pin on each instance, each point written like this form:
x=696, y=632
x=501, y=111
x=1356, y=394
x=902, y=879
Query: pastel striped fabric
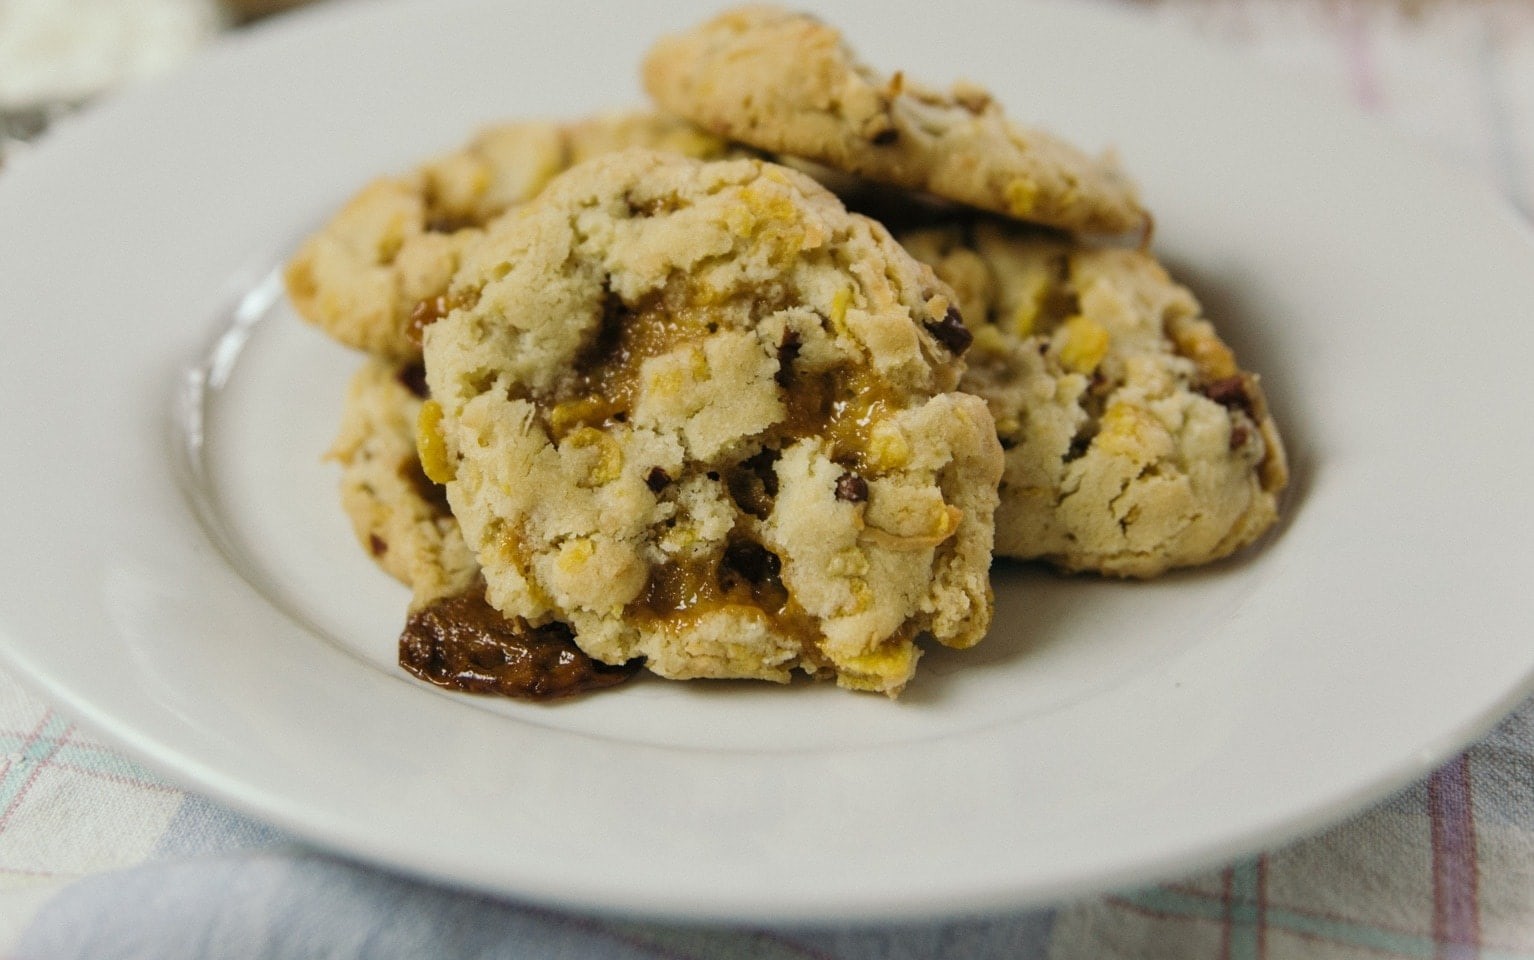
x=102, y=859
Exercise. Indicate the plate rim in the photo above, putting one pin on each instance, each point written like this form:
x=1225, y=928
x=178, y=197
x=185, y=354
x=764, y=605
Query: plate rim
x=162, y=756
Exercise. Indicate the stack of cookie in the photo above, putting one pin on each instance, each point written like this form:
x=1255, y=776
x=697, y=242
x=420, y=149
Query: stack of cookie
x=643, y=392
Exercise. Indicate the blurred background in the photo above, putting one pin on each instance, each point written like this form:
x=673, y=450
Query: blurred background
x=1449, y=73
x=57, y=54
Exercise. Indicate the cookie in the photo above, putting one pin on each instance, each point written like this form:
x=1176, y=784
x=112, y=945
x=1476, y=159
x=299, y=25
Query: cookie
x=400, y=517
x=1134, y=442
x=787, y=83
x=392, y=248
x=703, y=415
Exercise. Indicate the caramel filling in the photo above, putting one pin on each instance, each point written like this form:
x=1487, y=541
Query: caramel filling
x=745, y=577
x=840, y=406
x=429, y=311
x=607, y=379
x=462, y=643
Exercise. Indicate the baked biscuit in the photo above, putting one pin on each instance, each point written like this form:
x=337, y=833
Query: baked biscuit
x=787, y=83
x=703, y=415
x=400, y=517
x=392, y=248
x=1134, y=443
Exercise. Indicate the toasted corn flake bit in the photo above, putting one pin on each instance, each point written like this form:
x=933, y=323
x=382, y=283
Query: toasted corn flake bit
x=945, y=522
x=508, y=545
x=665, y=384
x=1035, y=282
x=888, y=448
x=756, y=208
x=1127, y=430
x=839, y=309
x=771, y=205
x=1022, y=194
x=886, y=667
x=1085, y=344
x=430, y=446
x=990, y=340
x=850, y=562
x=575, y=413
x=609, y=462
x=1024, y=317
x=862, y=596
x=574, y=555
x=741, y=219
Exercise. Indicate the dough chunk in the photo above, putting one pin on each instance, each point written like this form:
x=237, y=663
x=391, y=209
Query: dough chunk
x=400, y=517
x=378, y=269
x=788, y=83
x=702, y=414
x=1134, y=442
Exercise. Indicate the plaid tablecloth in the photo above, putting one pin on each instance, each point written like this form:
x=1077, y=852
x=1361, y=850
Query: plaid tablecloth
x=101, y=859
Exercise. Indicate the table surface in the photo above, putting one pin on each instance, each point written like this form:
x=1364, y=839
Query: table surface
x=101, y=858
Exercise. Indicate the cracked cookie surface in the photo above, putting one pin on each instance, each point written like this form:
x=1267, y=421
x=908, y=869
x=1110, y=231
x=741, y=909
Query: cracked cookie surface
x=394, y=245
x=1134, y=442
x=787, y=83
x=703, y=415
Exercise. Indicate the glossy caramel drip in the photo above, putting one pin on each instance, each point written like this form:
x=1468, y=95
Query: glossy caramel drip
x=839, y=406
x=746, y=577
x=462, y=643
x=606, y=380
x=429, y=311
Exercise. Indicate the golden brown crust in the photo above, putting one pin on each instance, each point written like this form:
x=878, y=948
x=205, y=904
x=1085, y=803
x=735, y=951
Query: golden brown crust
x=787, y=83
x=704, y=415
x=400, y=517
x=394, y=245
x=1135, y=443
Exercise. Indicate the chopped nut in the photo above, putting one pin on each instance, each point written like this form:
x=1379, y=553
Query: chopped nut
x=1214, y=360
x=851, y=488
x=1230, y=393
x=951, y=331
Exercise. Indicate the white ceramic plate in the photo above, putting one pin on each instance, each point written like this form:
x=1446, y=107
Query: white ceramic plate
x=177, y=572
